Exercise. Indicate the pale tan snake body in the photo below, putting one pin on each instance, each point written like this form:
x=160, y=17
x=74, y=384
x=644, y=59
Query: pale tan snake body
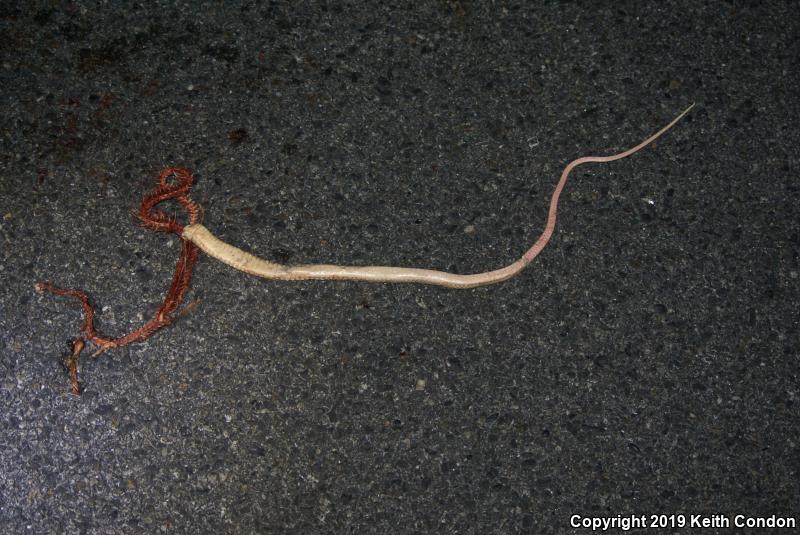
x=244, y=261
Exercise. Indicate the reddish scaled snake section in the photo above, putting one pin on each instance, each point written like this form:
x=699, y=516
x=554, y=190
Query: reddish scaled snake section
x=174, y=184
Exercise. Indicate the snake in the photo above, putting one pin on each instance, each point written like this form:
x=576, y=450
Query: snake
x=174, y=183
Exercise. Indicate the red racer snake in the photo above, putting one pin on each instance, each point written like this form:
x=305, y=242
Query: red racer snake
x=174, y=184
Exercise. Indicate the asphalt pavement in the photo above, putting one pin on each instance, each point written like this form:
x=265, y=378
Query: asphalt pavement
x=645, y=364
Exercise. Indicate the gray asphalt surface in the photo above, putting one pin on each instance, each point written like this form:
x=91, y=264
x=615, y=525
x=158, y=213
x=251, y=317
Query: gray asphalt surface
x=647, y=363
